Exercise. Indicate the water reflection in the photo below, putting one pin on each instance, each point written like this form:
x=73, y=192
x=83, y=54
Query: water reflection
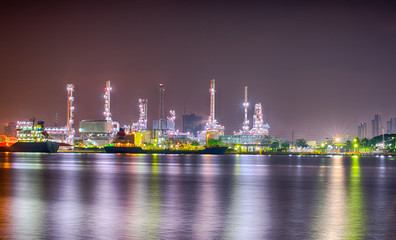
x=331, y=212
x=28, y=209
x=340, y=213
x=105, y=196
x=356, y=209
x=5, y=197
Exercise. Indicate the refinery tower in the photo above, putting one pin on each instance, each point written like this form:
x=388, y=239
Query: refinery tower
x=212, y=128
x=259, y=127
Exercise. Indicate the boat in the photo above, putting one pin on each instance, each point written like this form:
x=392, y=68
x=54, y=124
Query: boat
x=48, y=146
x=126, y=144
x=34, y=139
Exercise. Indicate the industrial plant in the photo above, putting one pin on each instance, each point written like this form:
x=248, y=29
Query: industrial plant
x=163, y=133
x=162, y=136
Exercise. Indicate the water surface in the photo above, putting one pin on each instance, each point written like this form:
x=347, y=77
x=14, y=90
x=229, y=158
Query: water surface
x=110, y=196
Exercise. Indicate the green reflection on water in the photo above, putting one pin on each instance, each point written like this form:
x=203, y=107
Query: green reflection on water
x=339, y=211
x=355, y=206
x=236, y=165
x=153, y=222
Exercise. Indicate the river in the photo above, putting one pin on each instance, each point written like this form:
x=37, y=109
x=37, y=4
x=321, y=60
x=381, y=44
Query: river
x=121, y=196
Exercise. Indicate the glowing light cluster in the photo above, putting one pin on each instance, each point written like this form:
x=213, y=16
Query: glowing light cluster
x=142, y=122
x=259, y=127
x=57, y=131
x=171, y=118
x=172, y=115
x=27, y=132
x=23, y=126
x=107, y=112
x=7, y=141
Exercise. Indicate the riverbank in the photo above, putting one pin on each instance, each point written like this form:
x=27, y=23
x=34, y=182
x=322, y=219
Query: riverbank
x=230, y=152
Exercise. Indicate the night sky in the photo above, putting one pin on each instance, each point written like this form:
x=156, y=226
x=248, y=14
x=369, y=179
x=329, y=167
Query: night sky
x=317, y=68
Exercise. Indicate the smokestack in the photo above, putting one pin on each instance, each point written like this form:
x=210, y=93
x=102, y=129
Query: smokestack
x=161, y=103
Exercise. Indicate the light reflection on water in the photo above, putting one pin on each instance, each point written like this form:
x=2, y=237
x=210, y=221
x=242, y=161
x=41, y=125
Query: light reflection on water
x=110, y=196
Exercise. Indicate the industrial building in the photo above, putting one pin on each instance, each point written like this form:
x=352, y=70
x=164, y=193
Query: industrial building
x=100, y=132
x=259, y=127
x=192, y=124
x=96, y=132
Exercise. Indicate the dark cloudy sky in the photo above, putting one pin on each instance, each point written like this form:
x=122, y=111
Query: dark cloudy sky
x=317, y=68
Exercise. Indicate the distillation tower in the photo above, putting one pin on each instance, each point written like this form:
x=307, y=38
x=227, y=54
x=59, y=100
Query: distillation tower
x=212, y=92
x=245, y=125
x=212, y=127
x=259, y=127
x=171, y=123
x=172, y=116
x=107, y=113
x=65, y=133
x=70, y=114
x=141, y=125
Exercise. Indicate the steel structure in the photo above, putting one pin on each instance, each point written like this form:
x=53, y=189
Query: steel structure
x=212, y=125
x=212, y=92
x=245, y=127
x=172, y=116
x=107, y=113
x=259, y=127
x=171, y=124
x=70, y=114
x=142, y=123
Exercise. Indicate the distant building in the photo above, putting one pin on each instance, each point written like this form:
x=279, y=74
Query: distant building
x=192, y=124
x=391, y=126
x=10, y=129
x=362, y=130
x=376, y=124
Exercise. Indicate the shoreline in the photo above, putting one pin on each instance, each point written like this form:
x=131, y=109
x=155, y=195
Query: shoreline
x=253, y=153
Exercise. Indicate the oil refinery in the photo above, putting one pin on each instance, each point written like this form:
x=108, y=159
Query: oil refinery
x=162, y=134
